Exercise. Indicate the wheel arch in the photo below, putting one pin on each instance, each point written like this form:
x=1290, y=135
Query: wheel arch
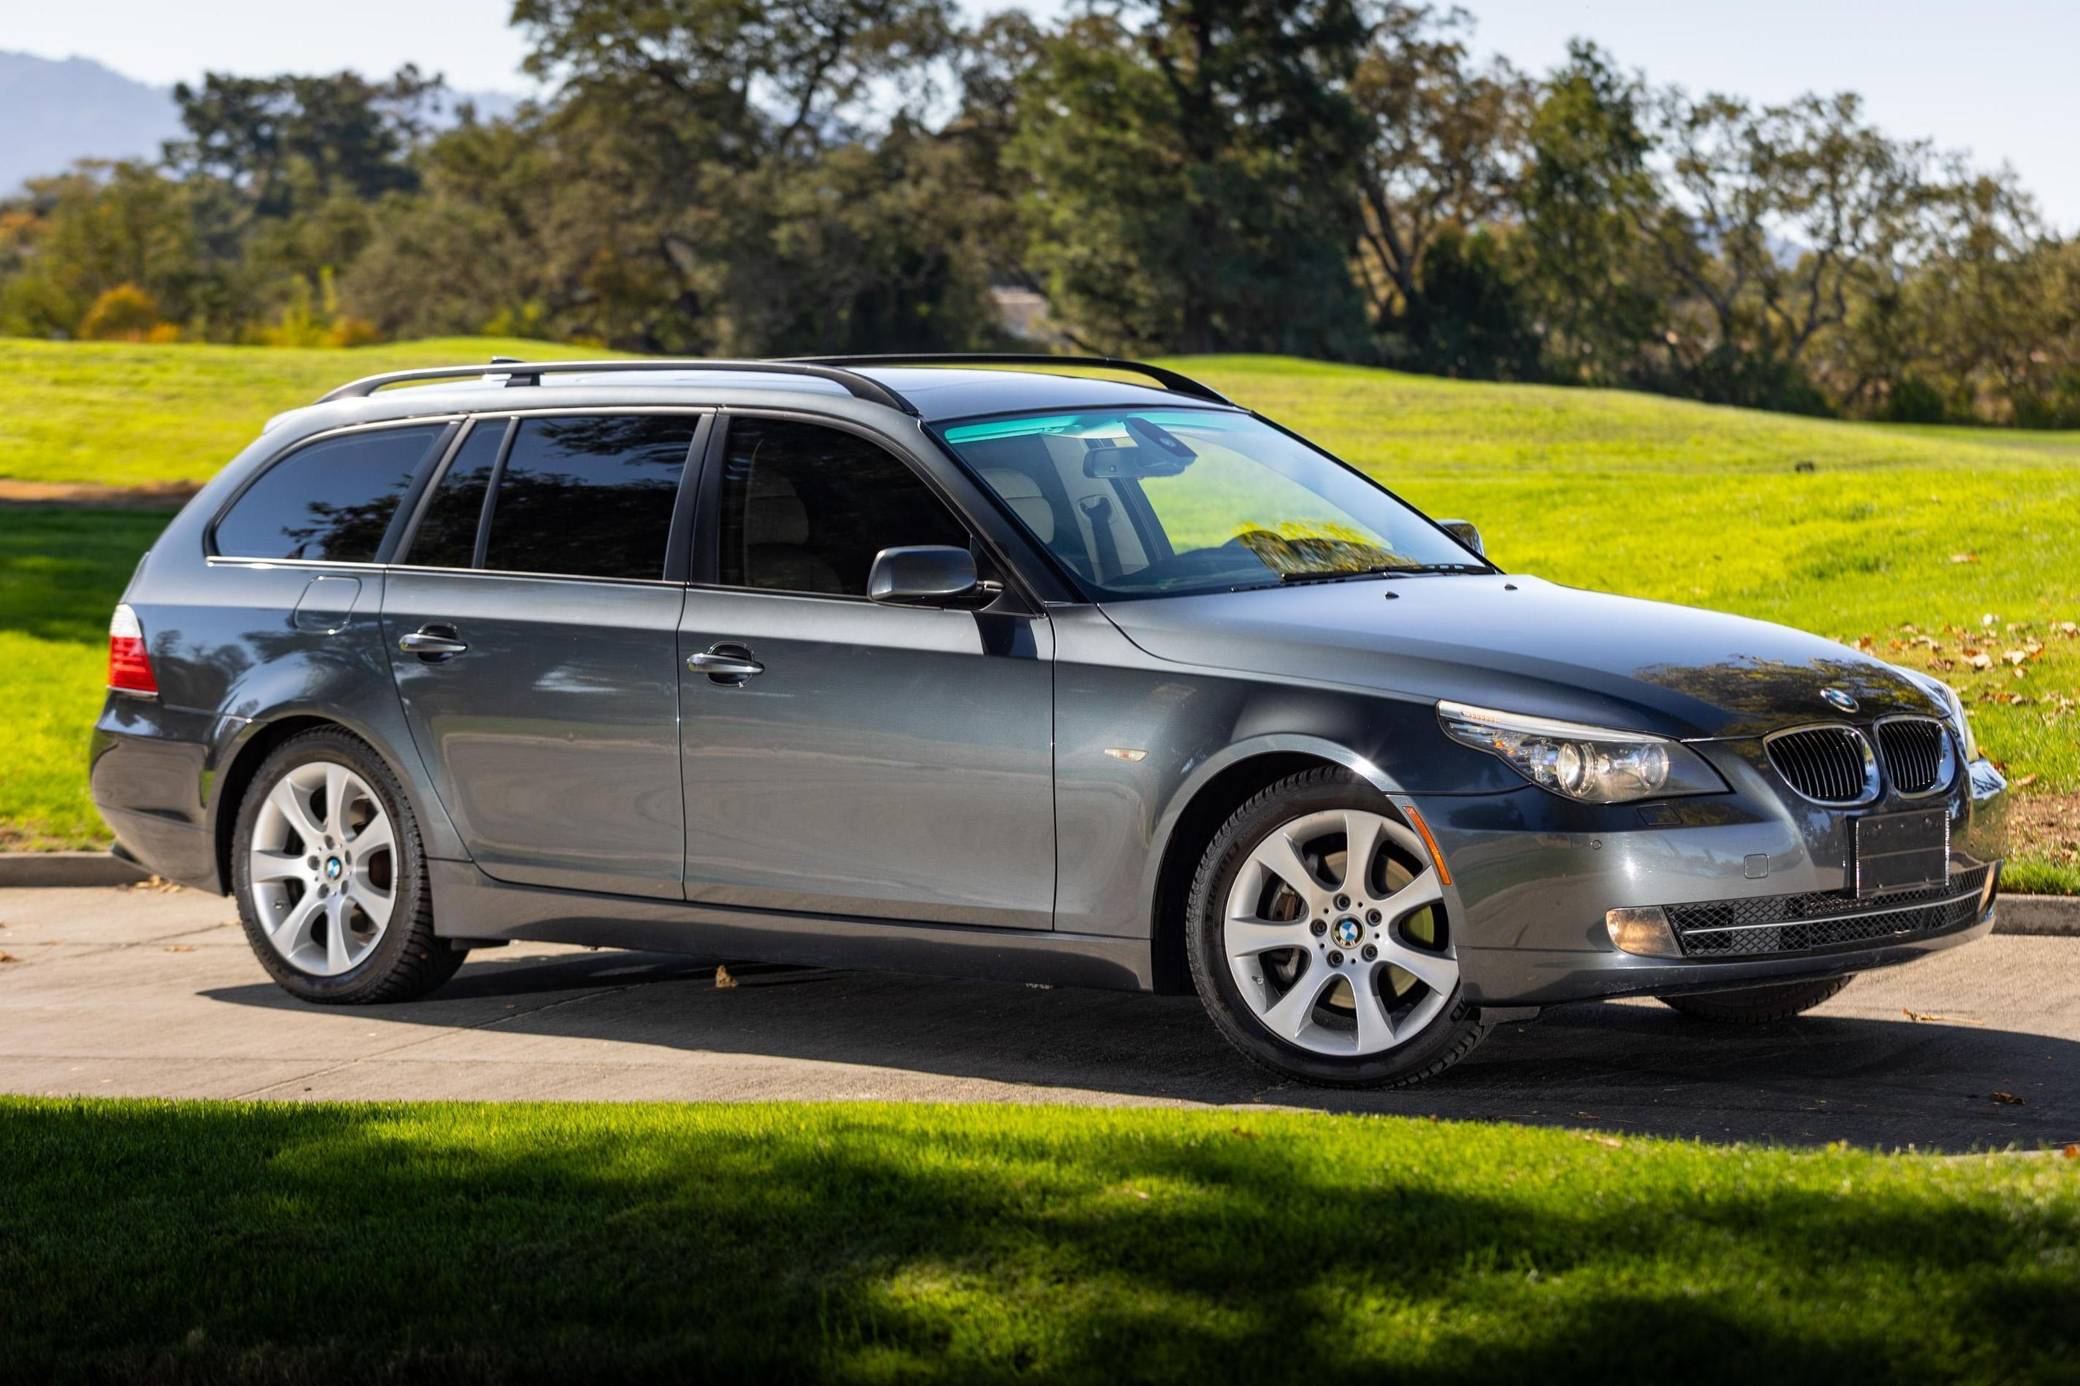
x=242, y=759
x=1215, y=789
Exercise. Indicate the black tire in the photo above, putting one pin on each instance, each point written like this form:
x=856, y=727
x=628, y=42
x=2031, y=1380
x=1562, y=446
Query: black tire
x=409, y=960
x=1758, y=1005
x=1451, y=1034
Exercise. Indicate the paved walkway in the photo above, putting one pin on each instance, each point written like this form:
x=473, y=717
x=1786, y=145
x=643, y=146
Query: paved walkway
x=139, y=992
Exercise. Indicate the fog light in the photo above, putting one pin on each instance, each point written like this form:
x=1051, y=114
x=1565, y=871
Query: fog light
x=1643, y=931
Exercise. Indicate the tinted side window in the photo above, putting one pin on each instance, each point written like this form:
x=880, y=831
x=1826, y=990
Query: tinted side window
x=331, y=500
x=590, y=496
x=805, y=508
x=447, y=533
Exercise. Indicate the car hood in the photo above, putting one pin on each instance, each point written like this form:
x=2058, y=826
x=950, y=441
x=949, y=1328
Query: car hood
x=1526, y=645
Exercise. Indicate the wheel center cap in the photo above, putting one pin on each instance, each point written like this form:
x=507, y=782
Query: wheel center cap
x=332, y=868
x=1346, y=932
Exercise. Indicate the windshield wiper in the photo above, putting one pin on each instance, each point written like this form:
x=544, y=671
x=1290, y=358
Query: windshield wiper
x=1384, y=570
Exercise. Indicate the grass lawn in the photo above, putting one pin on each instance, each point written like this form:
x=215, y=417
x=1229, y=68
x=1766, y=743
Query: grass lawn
x=1949, y=549
x=204, y=1241
x=60, y=573
x=115, y=414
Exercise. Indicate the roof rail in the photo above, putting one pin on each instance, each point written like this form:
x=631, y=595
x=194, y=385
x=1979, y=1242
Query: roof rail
x=520, y=373
x=1162, y=375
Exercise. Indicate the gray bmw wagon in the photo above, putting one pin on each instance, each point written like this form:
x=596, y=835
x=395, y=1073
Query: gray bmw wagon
x=904, y=662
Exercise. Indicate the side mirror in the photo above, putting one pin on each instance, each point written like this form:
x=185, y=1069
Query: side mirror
x=924, y=574
x=1466, y=533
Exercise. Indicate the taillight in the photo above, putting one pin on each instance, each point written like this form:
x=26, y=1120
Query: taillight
x=129, y=666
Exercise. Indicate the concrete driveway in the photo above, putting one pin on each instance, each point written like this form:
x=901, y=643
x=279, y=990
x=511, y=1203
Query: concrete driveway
x=142, y=992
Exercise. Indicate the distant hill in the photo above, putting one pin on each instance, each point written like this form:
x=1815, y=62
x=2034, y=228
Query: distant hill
x=54, y=111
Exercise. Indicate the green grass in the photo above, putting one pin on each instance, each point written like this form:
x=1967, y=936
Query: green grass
x=60, y=573
x=115, y=414
x=203, y=1241
x=1632, y=493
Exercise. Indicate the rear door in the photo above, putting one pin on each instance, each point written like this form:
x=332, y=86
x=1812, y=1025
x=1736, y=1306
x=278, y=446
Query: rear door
x=884, y=761
x=532, y=627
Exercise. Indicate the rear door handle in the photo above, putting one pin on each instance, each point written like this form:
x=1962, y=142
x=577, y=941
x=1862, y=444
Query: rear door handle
x=432, y=642
x=725, y=663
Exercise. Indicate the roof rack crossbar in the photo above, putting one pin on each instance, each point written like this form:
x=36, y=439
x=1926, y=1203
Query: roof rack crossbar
x=521, y=373
x=1162, y=375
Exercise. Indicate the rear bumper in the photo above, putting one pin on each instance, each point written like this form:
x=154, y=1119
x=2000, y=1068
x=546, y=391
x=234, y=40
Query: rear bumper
x=1533, y=877
x=149, y=767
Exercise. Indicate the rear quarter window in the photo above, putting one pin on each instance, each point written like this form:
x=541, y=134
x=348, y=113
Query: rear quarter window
x=331, y=500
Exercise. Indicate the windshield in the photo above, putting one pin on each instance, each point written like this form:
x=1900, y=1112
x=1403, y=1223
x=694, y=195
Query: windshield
x=1152, y=502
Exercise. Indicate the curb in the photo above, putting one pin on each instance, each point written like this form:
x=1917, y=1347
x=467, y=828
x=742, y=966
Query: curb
x=2057, y=915
x=66, y=869
x=2038, y=914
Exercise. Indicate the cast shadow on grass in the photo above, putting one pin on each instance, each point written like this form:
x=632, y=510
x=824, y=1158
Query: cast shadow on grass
x=286, y=1243
x=1636, y=1068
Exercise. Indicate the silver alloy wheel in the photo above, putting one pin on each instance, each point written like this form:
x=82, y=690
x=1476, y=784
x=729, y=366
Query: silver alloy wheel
x=1284, y=967
x=324, y=868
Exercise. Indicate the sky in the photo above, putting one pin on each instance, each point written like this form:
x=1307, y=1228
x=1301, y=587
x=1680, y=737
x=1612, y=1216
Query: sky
x=1996, y=77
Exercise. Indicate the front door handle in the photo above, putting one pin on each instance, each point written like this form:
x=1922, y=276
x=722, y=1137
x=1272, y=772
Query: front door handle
x=432, y=642
x=725, y=664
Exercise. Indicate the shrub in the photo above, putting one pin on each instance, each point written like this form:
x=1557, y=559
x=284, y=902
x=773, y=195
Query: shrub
x=124, y=313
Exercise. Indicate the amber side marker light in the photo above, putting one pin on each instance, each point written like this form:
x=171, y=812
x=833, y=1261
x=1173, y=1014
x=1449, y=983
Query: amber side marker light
x=1444, y=873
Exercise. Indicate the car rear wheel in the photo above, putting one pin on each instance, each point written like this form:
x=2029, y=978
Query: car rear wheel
x=1319, y=942
x=1757, y=1005
x=331, y=877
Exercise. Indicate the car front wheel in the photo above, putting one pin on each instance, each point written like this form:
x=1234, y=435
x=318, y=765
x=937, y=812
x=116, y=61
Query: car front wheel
x=331, y=878
x=1319, y=942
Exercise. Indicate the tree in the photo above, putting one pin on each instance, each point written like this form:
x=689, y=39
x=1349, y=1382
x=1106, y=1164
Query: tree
x=283, y=141
x=1445, y=146
x=1191, y=168
x=79, y=235
x=1588, y=190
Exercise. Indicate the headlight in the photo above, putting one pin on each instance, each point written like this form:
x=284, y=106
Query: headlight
x=1953, y=709
x=1592, y=764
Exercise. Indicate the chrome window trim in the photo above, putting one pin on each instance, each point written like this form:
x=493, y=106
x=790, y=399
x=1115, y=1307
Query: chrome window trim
x=1953, y=756
x=441, y=572
x=1873, y=784
x=444, y=419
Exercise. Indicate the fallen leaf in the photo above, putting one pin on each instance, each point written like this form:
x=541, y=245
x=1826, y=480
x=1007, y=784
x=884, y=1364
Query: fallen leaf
x=1246, y=1135
x=180, y=947
x=1932, y=1018
x=6, y=957
x=1964, y=558
x=1980, y=661
x=2006, y=1099
x=2071, y=1152
x=2023, y=782
x=723, y=981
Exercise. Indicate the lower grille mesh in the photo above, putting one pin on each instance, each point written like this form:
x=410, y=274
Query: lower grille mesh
x=1802, y=923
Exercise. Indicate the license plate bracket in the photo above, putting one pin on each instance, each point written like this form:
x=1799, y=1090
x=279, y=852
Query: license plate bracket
x=1901, y=851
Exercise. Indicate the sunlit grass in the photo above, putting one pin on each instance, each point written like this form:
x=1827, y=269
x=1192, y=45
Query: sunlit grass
x=60, y=574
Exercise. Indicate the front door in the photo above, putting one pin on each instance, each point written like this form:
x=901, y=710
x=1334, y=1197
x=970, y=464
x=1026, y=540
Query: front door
x=881, y=761
x=534, y=640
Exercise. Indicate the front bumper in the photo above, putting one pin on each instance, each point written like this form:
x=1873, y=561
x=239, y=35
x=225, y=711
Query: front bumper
x=1534, y=875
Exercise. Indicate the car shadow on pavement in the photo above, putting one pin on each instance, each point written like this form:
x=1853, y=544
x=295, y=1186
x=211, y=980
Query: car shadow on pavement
x=1632, y=1068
